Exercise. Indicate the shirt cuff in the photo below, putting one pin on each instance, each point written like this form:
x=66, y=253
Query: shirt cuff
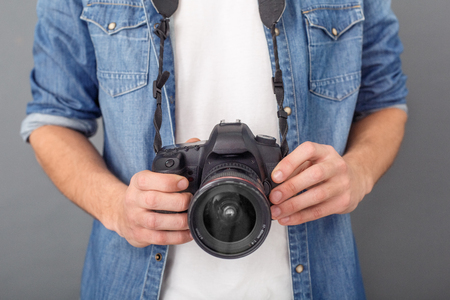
x=362, y=114
x=33, y=121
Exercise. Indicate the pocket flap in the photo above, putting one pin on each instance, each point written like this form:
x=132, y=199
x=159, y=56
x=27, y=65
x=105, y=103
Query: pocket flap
x=113, y=17
x=334, y=19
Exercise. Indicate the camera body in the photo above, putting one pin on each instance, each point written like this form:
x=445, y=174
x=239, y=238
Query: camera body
x=230, y=177
x=228, y=143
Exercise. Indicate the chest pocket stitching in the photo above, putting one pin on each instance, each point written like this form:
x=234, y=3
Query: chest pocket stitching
x=119, y=4
x=134, y=59
x=328, y=18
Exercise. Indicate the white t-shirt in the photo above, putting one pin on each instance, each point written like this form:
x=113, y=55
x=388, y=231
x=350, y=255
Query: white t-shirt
x=223, y=72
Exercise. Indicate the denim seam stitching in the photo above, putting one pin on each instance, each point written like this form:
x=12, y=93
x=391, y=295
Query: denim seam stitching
x=337, y=41
x=291, y=268
x=358, y=73
x=292, y=79
x=116, y=4
x=122, y=37
x=121, y=73
x=162, y=272
x=308, y=32
x=342, y=32
x=309, y=262
x=111, y=32
x=336, y=99
x=95, y=53
x=331, y=8
x=146, y=273
x=114, y=95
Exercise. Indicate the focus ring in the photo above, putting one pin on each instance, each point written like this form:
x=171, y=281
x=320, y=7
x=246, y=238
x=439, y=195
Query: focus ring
x=233, y=170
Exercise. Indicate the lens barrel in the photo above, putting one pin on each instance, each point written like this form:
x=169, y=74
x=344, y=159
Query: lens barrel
x=229, y=216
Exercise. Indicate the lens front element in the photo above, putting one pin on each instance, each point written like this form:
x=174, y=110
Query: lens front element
x=230, y=216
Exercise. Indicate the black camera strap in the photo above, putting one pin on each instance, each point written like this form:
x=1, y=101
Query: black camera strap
x=166, y=8
x=270, y=12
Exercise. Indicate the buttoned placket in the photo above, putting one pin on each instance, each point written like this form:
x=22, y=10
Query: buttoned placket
x=297, y=235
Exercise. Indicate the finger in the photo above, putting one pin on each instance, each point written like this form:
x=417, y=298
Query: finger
x=151, y=181
x=307, y=151
x=311, y=213
x=170, y=237
x=161, y=221
x=312, y=197
x=300, y=169
x=174, y=202
x=147, y=237
x=304, y=180
x=192, y=140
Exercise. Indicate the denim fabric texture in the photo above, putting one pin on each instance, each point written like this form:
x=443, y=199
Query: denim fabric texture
x=340, y=61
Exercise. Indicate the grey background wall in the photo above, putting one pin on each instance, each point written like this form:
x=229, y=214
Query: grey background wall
x=402, y=228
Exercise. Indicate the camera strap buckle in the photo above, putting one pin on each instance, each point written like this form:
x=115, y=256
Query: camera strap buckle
x=158, y=85
x=282, y=114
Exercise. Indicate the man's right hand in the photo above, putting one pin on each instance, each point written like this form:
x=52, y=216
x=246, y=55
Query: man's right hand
x=148, y=192
x=71, y=162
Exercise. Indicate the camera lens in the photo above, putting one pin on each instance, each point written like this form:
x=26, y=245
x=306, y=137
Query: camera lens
x=229, y=215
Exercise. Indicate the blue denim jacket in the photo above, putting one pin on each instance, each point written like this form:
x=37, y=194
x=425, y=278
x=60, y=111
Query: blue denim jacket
x=340, y=62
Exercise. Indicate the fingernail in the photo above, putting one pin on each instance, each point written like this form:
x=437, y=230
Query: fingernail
x=183, y=184
x=284, y=220
x=276, y=197
x=276, y=211
x=277, y=176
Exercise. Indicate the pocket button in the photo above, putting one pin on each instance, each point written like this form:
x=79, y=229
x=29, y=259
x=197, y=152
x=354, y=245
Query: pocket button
x=112, y=26
x=334, y=31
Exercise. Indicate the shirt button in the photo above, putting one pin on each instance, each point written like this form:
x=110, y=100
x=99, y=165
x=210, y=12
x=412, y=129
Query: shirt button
x=112, y=26
x=334, y=31
x=299, y=269
x=288, y=110
x=277, y=31
x=158, y=257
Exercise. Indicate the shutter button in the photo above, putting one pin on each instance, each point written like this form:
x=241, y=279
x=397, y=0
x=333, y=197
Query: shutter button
x=112, y=26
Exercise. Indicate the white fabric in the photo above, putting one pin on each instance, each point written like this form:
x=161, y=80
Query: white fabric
x=223, y=71
x=222, y=68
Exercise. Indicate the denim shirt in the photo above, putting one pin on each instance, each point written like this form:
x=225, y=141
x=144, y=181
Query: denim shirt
x=340, y=62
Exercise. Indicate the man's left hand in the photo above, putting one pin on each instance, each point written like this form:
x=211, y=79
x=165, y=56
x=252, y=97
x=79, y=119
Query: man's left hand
x=330, y=185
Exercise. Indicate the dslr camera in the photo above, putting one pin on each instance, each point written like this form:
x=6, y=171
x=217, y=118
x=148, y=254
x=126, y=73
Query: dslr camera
x=229, y=176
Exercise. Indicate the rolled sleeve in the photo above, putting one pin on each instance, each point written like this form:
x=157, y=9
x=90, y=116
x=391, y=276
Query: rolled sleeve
x=36, y=120
x=63, y=81
x=383, y=84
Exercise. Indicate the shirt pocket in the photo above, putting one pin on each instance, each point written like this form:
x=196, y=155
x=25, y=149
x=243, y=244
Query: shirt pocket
x=335, y=48
x=120, y=36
